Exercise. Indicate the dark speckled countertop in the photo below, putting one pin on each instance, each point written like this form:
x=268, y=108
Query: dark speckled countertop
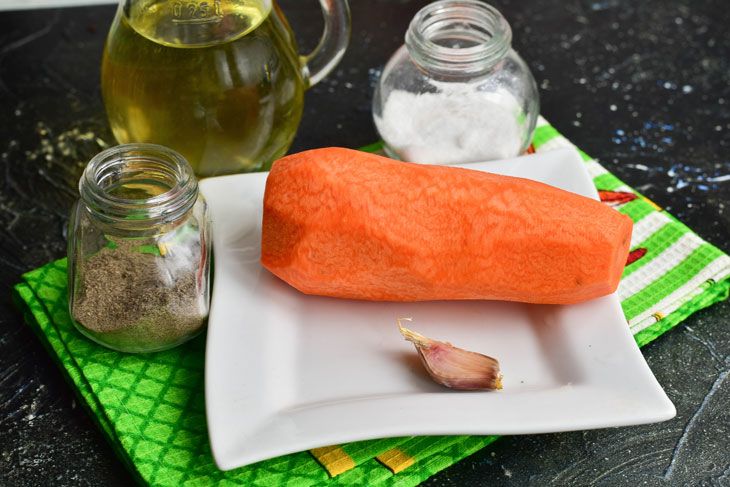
x=642, y=86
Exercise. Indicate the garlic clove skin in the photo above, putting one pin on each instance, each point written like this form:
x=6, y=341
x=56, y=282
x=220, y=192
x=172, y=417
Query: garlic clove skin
x=455, y=367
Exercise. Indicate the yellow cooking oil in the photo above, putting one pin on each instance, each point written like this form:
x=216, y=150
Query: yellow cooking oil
x=218, y=81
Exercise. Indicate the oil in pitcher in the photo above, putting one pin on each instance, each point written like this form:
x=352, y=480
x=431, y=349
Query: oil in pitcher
x=219, y=81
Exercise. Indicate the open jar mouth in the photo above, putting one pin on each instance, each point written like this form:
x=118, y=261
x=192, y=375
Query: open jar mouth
x=145, y=184
x=458, y=35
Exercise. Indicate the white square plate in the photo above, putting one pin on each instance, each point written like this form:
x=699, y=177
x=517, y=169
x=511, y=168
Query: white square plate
x=286, y=372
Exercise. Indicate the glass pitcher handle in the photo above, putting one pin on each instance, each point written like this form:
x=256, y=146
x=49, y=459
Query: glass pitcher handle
x=317, y=64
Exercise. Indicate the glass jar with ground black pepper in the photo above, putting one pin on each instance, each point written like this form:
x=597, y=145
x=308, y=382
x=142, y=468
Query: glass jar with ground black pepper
x=139, y=250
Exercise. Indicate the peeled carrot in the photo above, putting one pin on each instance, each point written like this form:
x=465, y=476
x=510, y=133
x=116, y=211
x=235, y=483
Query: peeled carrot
x=349, y=224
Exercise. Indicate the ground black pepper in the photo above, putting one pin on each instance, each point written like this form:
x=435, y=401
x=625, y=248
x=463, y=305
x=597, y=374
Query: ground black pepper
x=135, y=298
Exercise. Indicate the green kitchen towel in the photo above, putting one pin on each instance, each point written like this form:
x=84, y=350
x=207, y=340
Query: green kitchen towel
x=151, y=407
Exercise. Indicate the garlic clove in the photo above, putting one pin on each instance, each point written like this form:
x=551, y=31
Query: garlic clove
x=452, y=366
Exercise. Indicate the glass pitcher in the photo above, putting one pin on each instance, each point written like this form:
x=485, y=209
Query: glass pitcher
x=219, y=81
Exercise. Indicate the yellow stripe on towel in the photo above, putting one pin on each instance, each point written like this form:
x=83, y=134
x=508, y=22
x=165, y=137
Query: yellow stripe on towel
x=334, y=459
x=396, y=459
x=653, y=205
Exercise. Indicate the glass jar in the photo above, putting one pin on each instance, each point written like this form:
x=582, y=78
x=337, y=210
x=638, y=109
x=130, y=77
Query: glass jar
x=139, y=250
x=456, y=91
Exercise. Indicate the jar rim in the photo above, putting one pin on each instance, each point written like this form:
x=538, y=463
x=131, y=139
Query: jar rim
x=458, y=36
x=138, y=164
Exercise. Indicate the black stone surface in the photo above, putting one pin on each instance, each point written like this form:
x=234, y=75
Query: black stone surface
x=642, y=86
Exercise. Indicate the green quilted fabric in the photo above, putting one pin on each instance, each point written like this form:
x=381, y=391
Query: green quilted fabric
x=151, y=406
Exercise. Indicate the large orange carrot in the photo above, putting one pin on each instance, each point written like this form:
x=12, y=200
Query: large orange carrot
x=349, y=224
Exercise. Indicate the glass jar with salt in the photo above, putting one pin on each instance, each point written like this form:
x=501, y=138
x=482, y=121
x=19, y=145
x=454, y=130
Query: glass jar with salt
x=456, y=91
x=139, y=250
